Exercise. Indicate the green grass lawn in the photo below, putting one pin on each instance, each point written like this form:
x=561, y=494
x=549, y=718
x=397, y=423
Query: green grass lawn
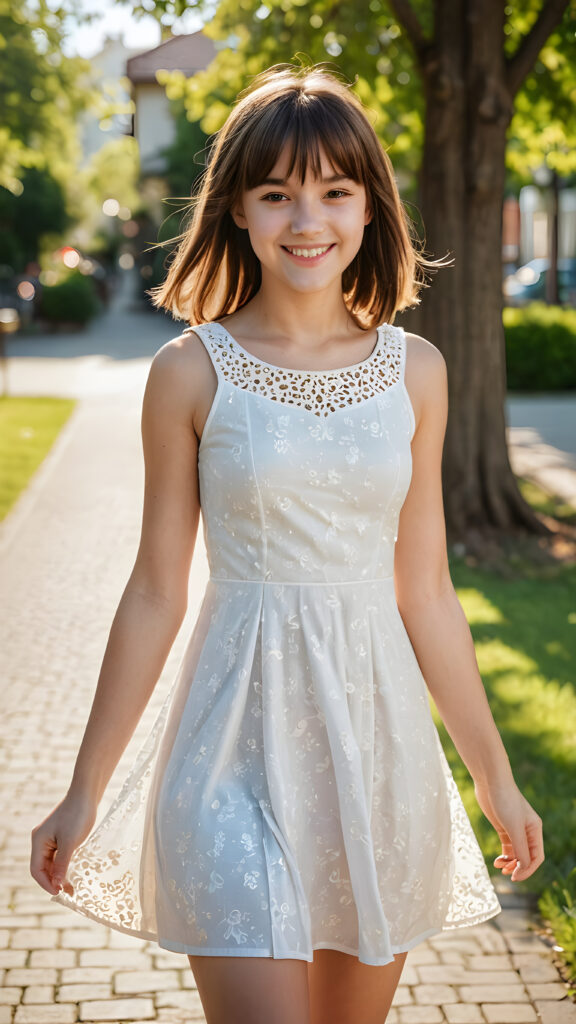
x=28, y=429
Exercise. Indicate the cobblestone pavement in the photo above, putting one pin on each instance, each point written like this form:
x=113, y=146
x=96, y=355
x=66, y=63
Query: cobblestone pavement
x=65, y=555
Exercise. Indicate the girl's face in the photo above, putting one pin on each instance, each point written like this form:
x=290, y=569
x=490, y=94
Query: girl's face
x=305, y=235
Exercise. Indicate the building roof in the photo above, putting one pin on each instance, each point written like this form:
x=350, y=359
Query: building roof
x=187, y=53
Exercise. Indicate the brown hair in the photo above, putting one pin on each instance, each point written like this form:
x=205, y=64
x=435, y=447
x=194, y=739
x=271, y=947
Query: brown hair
x=214, y=270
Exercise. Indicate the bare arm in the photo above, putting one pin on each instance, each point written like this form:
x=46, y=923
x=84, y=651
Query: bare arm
x=150, y=611
x=437, y=626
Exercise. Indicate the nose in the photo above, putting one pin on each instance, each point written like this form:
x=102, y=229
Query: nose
x=307, y=219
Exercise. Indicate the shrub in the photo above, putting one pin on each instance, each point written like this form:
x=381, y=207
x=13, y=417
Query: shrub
x=540, y=347
x=72, y=301
x=558, y=907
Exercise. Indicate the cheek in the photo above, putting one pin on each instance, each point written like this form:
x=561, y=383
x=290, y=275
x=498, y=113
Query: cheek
x=264, y=225
x=354, y=227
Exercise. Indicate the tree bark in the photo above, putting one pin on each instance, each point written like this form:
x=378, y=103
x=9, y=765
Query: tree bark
x=469, y=105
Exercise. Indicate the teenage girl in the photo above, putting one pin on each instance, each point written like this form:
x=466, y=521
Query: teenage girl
x=293, y=828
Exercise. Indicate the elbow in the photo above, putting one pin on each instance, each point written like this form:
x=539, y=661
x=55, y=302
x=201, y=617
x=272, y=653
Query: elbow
x=168, y=599
x=425, y=595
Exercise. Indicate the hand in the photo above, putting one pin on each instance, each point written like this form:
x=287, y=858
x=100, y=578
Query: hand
x=518, y=826
x=55, y=839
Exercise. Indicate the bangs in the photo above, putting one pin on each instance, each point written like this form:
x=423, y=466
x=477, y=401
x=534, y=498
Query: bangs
x=306, y=124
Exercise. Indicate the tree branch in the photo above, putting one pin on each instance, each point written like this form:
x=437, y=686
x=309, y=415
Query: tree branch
x=408, y=19
x=520, y=65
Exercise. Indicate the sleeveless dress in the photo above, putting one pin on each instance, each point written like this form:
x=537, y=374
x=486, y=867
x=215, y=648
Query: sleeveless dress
x=293, y=793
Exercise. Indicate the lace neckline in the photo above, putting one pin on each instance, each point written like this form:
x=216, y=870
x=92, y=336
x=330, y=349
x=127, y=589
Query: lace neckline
x=319, y=391
x=335, y=372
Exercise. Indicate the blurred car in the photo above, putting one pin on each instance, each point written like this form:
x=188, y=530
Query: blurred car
x=528, y=283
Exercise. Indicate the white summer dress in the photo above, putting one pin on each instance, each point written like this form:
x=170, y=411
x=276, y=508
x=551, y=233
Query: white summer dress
x=293, y=793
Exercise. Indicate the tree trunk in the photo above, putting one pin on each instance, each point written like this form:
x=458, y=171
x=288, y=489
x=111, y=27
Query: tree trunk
x=468, y=110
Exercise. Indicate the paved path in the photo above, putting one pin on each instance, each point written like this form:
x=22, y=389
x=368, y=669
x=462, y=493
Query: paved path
x=542, y=441
x=65, y=554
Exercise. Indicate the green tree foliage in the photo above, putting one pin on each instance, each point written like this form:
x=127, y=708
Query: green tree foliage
x=39, y=209
x=41, y=92
x=111, y=173
x=543, y=128
x=369, y=44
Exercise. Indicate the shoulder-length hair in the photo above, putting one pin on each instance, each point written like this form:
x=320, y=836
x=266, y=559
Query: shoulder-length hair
x=214, y=270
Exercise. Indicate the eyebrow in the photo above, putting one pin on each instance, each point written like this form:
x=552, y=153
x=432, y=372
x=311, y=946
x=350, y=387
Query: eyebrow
x=325, y=181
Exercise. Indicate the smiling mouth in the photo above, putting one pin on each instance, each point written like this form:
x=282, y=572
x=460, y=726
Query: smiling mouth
x=319, y=250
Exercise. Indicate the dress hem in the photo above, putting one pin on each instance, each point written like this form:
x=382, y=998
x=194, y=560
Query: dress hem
x=180, y=947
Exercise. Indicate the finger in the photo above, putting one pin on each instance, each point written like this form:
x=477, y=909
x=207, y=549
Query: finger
x=506, y=864
x=41, y=862
x=60, y=866
x=535, y=847
x=507, y=857
x=519, y=850
x=45, y=882
x=44, y=878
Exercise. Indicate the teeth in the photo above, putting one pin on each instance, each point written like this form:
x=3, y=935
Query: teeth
x=309, y=253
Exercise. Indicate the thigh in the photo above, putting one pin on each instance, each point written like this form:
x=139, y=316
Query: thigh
x=252, y=989
x=345, y=991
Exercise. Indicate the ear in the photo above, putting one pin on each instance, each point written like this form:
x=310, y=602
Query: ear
x=367, y=214
x=237, y=214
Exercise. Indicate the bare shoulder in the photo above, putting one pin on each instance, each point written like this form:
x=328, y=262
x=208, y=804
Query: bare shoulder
x=422, y=357
x=181, y=376
x=184, y=354
x=425, y=375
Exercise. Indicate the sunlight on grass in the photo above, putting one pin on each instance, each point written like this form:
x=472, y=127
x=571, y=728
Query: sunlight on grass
x=546, y=503
x=477, y=606
x=496, y=657
x=524, y=636
x=28, y=429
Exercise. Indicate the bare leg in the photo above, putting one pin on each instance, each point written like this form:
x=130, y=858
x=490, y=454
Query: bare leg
x=252, y=990
x=345, y=991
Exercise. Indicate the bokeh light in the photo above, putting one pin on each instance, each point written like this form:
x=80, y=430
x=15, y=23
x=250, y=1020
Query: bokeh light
x=130, y=230
x=48, y=277
x=26, y=290
x=9, y=317
x=70, y=257
x=111, y=207
x=126, y=261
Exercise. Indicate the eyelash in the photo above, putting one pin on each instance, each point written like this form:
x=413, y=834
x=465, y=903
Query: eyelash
x=342, y=192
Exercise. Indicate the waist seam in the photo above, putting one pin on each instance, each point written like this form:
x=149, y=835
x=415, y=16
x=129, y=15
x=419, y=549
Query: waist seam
x=299, y=583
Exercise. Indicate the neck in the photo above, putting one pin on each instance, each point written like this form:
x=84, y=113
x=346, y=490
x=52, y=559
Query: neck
x=306, y=318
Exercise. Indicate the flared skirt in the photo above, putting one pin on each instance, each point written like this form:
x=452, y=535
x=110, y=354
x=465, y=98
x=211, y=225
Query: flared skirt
x=293, y=793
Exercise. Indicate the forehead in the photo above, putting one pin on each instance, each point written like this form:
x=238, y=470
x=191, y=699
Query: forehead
x=311, y=141
x=284, y=169
x=325, y=166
